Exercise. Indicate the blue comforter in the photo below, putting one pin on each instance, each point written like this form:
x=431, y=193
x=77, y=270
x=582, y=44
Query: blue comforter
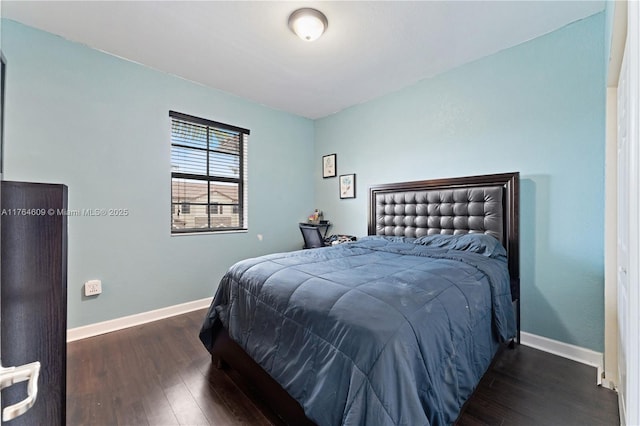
x=382, y=331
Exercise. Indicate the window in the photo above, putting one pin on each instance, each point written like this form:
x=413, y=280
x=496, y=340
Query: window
x=214, y=208
x=208, y=175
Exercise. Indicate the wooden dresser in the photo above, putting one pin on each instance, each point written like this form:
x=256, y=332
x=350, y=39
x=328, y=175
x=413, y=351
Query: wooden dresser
x=34, y=294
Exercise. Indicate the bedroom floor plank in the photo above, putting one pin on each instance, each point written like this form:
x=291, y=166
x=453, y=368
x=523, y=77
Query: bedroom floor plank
x=158, y=410
x=530, y=387
x=160, y=374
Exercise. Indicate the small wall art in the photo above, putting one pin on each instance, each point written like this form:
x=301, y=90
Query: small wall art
x=329, y=166
x=348, y=186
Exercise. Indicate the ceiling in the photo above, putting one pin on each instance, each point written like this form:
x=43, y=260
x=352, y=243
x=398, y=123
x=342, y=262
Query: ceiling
x=370, y=48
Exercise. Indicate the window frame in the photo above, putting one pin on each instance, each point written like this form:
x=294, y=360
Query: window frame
x=209, y=178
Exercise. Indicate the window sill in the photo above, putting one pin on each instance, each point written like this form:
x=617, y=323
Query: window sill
x=231, y=231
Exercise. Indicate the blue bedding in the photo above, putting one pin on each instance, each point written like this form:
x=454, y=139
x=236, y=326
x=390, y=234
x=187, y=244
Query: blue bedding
x=382, y=331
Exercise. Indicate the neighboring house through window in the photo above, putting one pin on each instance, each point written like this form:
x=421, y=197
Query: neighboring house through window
x=208, y=175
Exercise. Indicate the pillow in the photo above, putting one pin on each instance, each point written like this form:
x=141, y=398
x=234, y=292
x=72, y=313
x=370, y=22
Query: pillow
x=391, y=238
x=483, y=244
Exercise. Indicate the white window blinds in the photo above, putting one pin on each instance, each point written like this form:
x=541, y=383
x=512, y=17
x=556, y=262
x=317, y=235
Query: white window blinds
x=208, y=175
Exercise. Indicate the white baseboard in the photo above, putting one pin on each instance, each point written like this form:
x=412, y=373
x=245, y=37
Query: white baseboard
x=98, y=328
x=566, y=350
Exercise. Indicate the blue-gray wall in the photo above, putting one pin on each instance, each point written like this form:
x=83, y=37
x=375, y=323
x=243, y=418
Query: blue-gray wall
x=609, y=14
x=100, y=125
x=537, y=108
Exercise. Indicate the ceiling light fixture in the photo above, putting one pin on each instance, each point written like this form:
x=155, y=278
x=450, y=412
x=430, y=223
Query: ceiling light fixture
x=308, y=24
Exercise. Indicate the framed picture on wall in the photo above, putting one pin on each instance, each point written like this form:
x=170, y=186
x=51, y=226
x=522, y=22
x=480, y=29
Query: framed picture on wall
x=348, y=186
x=329, y=166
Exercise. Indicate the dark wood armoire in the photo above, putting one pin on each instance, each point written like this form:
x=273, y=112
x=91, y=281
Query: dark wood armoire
x=34, y=294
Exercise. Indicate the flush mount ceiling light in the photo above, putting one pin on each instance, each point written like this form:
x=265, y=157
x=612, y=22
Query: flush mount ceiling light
x=308, y=24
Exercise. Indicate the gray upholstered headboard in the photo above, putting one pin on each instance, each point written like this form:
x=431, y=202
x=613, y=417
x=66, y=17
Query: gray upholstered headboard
x=487, y=203
x=415, y=213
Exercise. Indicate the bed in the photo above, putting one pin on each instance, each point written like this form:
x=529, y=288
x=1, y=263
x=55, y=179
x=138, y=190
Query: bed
x=396, y=328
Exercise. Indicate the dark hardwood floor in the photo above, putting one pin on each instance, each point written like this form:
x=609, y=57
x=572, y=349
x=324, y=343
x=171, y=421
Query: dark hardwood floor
x=160, y=374
x=526, y=386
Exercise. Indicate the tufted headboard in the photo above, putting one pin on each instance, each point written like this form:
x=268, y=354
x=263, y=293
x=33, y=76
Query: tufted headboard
x=487, y=204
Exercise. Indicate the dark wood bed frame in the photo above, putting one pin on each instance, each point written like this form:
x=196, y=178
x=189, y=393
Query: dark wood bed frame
x=227, y=353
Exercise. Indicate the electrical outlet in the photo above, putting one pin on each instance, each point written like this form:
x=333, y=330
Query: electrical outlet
x=92, y=288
